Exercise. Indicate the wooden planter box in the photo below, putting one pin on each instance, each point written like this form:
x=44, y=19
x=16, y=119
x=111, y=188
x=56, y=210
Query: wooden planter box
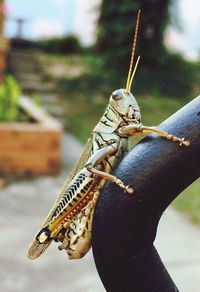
x=31, y=148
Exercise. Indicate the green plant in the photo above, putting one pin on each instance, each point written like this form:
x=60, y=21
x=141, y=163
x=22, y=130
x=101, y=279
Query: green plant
x=9, y=97
x=37, y=100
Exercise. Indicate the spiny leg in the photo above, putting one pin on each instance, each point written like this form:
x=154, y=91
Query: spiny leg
x=70, y=234
x=64, y=238
x=78, y=235
x=111, y=178
x=166, y=135
x=85, y=219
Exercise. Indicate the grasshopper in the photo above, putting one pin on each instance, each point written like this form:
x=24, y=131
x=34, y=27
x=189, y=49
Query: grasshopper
x=70, y=219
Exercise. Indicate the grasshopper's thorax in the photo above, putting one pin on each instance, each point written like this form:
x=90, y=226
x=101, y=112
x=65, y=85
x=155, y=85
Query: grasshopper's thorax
x=123, y=109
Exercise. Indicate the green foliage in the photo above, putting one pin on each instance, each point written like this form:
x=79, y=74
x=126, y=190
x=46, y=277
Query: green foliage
x=189, y=202
x=68, y=44
x=37, y=100
x=9, y=95
x=115, y=31
x=173, y=77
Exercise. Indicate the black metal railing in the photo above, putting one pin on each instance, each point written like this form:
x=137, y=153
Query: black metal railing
x=125, y=227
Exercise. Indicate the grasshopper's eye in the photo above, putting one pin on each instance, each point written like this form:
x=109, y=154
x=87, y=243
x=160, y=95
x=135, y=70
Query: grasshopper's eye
x=115, y=96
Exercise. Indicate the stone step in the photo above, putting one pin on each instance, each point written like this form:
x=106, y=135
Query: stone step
x=30, y=77
x=37, y=86
x=30, y=74
x=55, y=110
x=23, y=62
x=51, y=99
x=24, y=54
x=23, y=66
x=29, y=60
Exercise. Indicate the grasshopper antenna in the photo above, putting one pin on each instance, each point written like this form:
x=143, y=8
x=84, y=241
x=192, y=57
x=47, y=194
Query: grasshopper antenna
x=133, y=53
x=133, y=74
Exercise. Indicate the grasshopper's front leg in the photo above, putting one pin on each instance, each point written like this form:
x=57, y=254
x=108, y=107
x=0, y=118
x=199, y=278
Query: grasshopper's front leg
x=133, y=130
x=99, y=156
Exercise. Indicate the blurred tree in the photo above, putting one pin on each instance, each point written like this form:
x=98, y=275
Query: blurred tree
x=116, y=24
x=68, y=44
x=115, y=30
x=114, y=40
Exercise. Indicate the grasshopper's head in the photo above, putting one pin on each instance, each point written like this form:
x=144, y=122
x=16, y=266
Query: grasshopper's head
x=125, y=104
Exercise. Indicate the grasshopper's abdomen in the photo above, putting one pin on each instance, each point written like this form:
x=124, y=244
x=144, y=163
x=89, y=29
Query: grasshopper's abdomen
x=74, y=198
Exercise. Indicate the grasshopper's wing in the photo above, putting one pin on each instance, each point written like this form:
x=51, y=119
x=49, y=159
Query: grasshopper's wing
x=84, y=156
x=36, y=248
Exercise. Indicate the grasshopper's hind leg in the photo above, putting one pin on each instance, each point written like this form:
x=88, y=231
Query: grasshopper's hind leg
x=77, y=239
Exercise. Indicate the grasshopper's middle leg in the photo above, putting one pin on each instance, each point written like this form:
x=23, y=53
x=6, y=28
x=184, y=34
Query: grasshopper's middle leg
x=133, y=130
x=99, y=156
x=111, y=178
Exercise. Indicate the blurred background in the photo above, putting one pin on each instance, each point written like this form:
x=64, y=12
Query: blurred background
x=66, y=57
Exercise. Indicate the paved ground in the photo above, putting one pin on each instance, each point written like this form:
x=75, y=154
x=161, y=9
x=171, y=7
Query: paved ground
x=23, y=207
x=178, y=243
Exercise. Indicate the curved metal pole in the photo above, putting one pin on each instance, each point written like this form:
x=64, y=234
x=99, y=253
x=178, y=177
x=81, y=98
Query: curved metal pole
x=124, y=228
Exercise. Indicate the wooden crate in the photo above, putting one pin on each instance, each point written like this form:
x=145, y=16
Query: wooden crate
x=31, y=148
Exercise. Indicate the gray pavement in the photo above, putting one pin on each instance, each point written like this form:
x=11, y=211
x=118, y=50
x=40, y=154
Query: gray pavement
x=178, y=243
x=23, y=207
